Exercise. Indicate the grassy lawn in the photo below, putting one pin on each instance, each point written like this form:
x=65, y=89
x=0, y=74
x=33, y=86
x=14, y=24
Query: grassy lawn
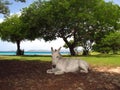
x=103, y=60
x=94, y=60
x=27, y=58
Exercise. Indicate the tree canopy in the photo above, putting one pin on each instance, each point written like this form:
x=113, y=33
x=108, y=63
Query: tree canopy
x=80, y=20
x=111, y=42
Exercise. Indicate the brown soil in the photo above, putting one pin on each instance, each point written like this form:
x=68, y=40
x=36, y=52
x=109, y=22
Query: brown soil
x=31, y=75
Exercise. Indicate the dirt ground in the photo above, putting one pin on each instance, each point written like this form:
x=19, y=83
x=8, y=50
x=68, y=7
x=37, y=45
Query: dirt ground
x=31, y=75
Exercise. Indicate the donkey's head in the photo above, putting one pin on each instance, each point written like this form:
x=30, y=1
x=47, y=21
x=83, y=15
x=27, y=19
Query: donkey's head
x=55, y=55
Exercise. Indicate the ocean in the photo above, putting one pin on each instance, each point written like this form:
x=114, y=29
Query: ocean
x=30, y=53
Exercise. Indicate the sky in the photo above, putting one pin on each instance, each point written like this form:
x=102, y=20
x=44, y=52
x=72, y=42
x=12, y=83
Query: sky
x=16, y=7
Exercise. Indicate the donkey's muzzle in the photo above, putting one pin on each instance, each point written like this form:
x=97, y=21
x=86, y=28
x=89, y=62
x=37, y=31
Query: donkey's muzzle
x=53, y=66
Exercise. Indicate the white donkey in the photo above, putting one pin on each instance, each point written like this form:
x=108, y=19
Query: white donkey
x=63, y=65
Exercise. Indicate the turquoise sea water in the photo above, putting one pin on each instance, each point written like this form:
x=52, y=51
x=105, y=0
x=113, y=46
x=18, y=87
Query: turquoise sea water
x=30, y=53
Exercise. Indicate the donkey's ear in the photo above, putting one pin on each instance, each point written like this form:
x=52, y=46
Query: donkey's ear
x=59, y=49
x=52, y=49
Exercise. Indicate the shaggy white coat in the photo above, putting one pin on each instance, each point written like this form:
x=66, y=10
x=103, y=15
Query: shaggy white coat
x=65, y=65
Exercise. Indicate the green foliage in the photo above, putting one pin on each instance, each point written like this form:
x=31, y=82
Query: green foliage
x=108, y=18
x=78, y=19
x=12, y=29
x=4, y=7
x=38, y=21
x=101, y=48
x=111, y=42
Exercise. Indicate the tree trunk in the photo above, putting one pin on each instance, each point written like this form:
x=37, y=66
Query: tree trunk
x=70, y=46
x=85, y=52
x=87, y=47
x=72, y=52
x=19, y=51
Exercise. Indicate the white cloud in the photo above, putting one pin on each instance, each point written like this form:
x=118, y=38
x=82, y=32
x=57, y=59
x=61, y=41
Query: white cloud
x=7, y=46
x=1, y=20
x=42, y=45
x=33, y=45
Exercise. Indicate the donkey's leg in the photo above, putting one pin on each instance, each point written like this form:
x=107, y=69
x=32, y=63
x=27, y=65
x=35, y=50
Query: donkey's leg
x=50, y=71
x=83, y=66
x=53, y=70
x=84, y=69
x=59, y=72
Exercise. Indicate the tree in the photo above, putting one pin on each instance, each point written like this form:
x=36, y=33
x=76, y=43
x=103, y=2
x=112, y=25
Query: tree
x=4, y=6
x=13, y=30
x=81, y=20
x=30, y=17
x=111, y=42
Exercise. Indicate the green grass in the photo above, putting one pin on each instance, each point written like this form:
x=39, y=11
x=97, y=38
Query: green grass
x=27, y=58
x=94, y=60
x=103, y=60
